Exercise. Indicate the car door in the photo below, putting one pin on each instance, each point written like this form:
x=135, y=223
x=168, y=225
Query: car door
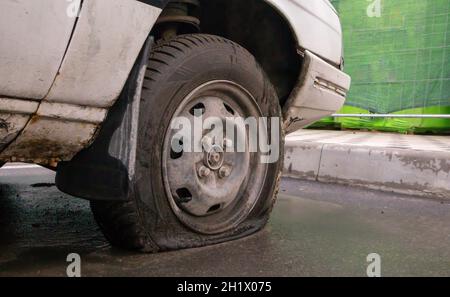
x=33, y=40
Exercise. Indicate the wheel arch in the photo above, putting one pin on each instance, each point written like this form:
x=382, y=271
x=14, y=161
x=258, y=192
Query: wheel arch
x=261, y=28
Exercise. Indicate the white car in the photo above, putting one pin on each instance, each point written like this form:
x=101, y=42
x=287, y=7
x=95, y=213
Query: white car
x=91, y=89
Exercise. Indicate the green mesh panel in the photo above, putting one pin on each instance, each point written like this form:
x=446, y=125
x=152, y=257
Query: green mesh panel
x=399, y=62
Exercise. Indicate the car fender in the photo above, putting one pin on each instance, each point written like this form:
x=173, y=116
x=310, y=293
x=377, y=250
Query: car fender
x=316, y=26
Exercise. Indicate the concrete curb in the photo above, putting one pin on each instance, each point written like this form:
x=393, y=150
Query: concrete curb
x=399, y=170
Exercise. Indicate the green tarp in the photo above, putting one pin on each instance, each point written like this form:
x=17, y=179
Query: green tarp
x=398, y=54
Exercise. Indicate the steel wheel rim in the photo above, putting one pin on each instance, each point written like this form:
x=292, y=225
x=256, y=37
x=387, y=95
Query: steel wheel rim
x=203, y=195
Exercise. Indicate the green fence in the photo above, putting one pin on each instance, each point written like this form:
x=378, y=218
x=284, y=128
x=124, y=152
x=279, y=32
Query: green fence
x=398, y=54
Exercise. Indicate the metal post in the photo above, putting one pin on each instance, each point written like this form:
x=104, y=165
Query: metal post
x=399, y=116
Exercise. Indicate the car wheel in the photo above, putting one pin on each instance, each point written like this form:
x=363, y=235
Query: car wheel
x=181, y=199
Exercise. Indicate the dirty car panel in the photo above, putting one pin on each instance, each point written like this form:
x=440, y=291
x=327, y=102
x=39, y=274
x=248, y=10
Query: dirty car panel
x=34, y=37
x=93, y=72
x=64, y=116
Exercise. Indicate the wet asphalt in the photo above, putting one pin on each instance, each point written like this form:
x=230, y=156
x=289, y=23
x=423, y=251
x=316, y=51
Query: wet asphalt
x=316, y=230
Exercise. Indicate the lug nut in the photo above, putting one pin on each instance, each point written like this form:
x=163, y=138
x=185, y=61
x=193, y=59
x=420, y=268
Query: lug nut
x=216, y=157
x=225, y=171
x=204, y=171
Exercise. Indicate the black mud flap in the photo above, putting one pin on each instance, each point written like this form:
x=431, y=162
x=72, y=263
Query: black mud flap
x=104, y=170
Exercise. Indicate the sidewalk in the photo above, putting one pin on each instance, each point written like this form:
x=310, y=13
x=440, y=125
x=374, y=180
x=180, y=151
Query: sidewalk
x=410, y=164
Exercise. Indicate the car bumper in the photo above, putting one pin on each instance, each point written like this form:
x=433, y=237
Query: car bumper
x=320, y=92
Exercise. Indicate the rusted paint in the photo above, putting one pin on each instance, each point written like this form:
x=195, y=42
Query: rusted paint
x=47, y=141
x=10, y=126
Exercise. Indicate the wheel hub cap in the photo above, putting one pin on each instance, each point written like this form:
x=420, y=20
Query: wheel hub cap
x=214, y=157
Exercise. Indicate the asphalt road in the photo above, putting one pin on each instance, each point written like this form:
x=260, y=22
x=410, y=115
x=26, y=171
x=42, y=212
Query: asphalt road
x=316, y=230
